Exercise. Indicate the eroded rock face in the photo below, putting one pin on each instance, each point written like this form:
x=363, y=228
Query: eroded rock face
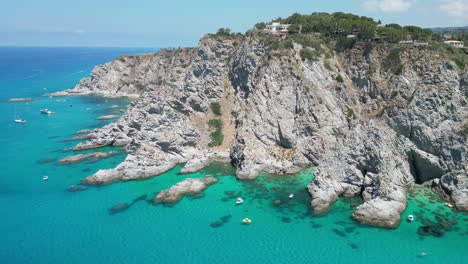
x=127, y=76
x=186, y=187
x=373, y=134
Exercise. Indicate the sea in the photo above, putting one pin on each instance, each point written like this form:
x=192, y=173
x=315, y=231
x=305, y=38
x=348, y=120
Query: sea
x=45, y=222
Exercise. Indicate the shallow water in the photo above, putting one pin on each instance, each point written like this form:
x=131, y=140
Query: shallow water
x=43, y=222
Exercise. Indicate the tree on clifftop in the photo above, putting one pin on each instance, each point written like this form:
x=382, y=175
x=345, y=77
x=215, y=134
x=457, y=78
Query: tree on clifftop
x=224, y=32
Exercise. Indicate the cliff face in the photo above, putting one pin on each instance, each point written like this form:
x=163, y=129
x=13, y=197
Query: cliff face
x=371, y=132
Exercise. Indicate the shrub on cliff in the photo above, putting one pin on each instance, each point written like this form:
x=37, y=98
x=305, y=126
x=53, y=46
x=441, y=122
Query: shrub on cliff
x=216, y=108
x=216, y=136
x=224, y=32
x=392, y=62
x=344, y=43
x=308, y=54
x=339, y=78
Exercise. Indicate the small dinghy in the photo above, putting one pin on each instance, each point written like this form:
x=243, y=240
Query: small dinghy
x=45, y=178
x=246, y=221
x=410, y=218
x=291, y=196
x=239, y=201
x=21, y=121
x=46, y=111
x=449, y=205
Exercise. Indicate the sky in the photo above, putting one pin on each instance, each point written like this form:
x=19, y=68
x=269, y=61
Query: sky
x=180, y=23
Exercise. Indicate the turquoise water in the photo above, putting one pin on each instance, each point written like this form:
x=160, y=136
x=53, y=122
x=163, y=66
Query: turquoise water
x=43, y=222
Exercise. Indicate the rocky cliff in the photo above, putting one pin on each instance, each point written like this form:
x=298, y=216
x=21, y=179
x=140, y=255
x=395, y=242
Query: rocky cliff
x=372, y=131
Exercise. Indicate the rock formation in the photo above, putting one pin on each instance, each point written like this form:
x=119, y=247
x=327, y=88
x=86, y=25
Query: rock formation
x=17, y=100
x=186, y=187
x=371, y=131
x=107, y=117
x=89, y=156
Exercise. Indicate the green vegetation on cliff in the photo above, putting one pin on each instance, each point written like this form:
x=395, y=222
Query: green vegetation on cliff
x=216, y=136
x=392, y=62
x=341, y=31
x=344, y=24
x=216, y=108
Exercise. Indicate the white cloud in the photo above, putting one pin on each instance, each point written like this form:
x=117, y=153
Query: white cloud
x=457, y=8
x=388, y=5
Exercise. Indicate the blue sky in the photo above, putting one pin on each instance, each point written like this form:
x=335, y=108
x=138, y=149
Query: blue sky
x=173, y=23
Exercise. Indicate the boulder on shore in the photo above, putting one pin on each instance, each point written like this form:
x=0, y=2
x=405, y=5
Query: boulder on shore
x=188, y=186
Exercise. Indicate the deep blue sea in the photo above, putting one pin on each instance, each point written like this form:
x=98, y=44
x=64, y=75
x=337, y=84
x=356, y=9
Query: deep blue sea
x=43, y=222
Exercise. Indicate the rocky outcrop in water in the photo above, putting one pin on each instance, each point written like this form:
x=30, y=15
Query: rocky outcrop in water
x=107, y=117
x=186, y=187
x=89, y=156
x=372, y=132
x=18, y=100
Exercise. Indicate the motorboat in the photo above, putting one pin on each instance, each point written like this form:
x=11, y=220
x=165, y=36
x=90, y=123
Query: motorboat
x=239, y=201
x=410, y=218
x=45, y=178
x=22, y=121
x=46, y=111
x=291, y=196
x=449, y=205
x=246, y=221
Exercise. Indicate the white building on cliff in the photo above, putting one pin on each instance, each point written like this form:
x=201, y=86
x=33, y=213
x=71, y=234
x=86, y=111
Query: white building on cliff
x=455, y=43
x=277, y=28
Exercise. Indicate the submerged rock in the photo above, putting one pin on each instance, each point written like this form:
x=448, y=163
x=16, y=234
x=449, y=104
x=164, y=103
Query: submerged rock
x=119, y=208
x=188, y=186
x=140, y=198
x=46, y=160
x=107, y=117
x=77, y=188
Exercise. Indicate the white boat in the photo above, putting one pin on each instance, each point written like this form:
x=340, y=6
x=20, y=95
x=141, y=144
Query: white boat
x=246, y=221
x=22, y=121
x=410, y=218
x=239, y=201
x=46, y=111
x=291, y=196
x=449, y=205
x=45, y=178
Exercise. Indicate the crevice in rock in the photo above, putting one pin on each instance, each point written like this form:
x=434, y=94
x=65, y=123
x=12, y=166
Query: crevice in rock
x=414, y=171
x=283, y=142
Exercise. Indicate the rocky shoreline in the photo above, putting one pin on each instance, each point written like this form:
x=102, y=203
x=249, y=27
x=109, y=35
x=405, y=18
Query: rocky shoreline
x=372, y=133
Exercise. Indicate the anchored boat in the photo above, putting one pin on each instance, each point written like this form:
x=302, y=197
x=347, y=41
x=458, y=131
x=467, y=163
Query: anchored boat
x=46, y=111
x=246, y=221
